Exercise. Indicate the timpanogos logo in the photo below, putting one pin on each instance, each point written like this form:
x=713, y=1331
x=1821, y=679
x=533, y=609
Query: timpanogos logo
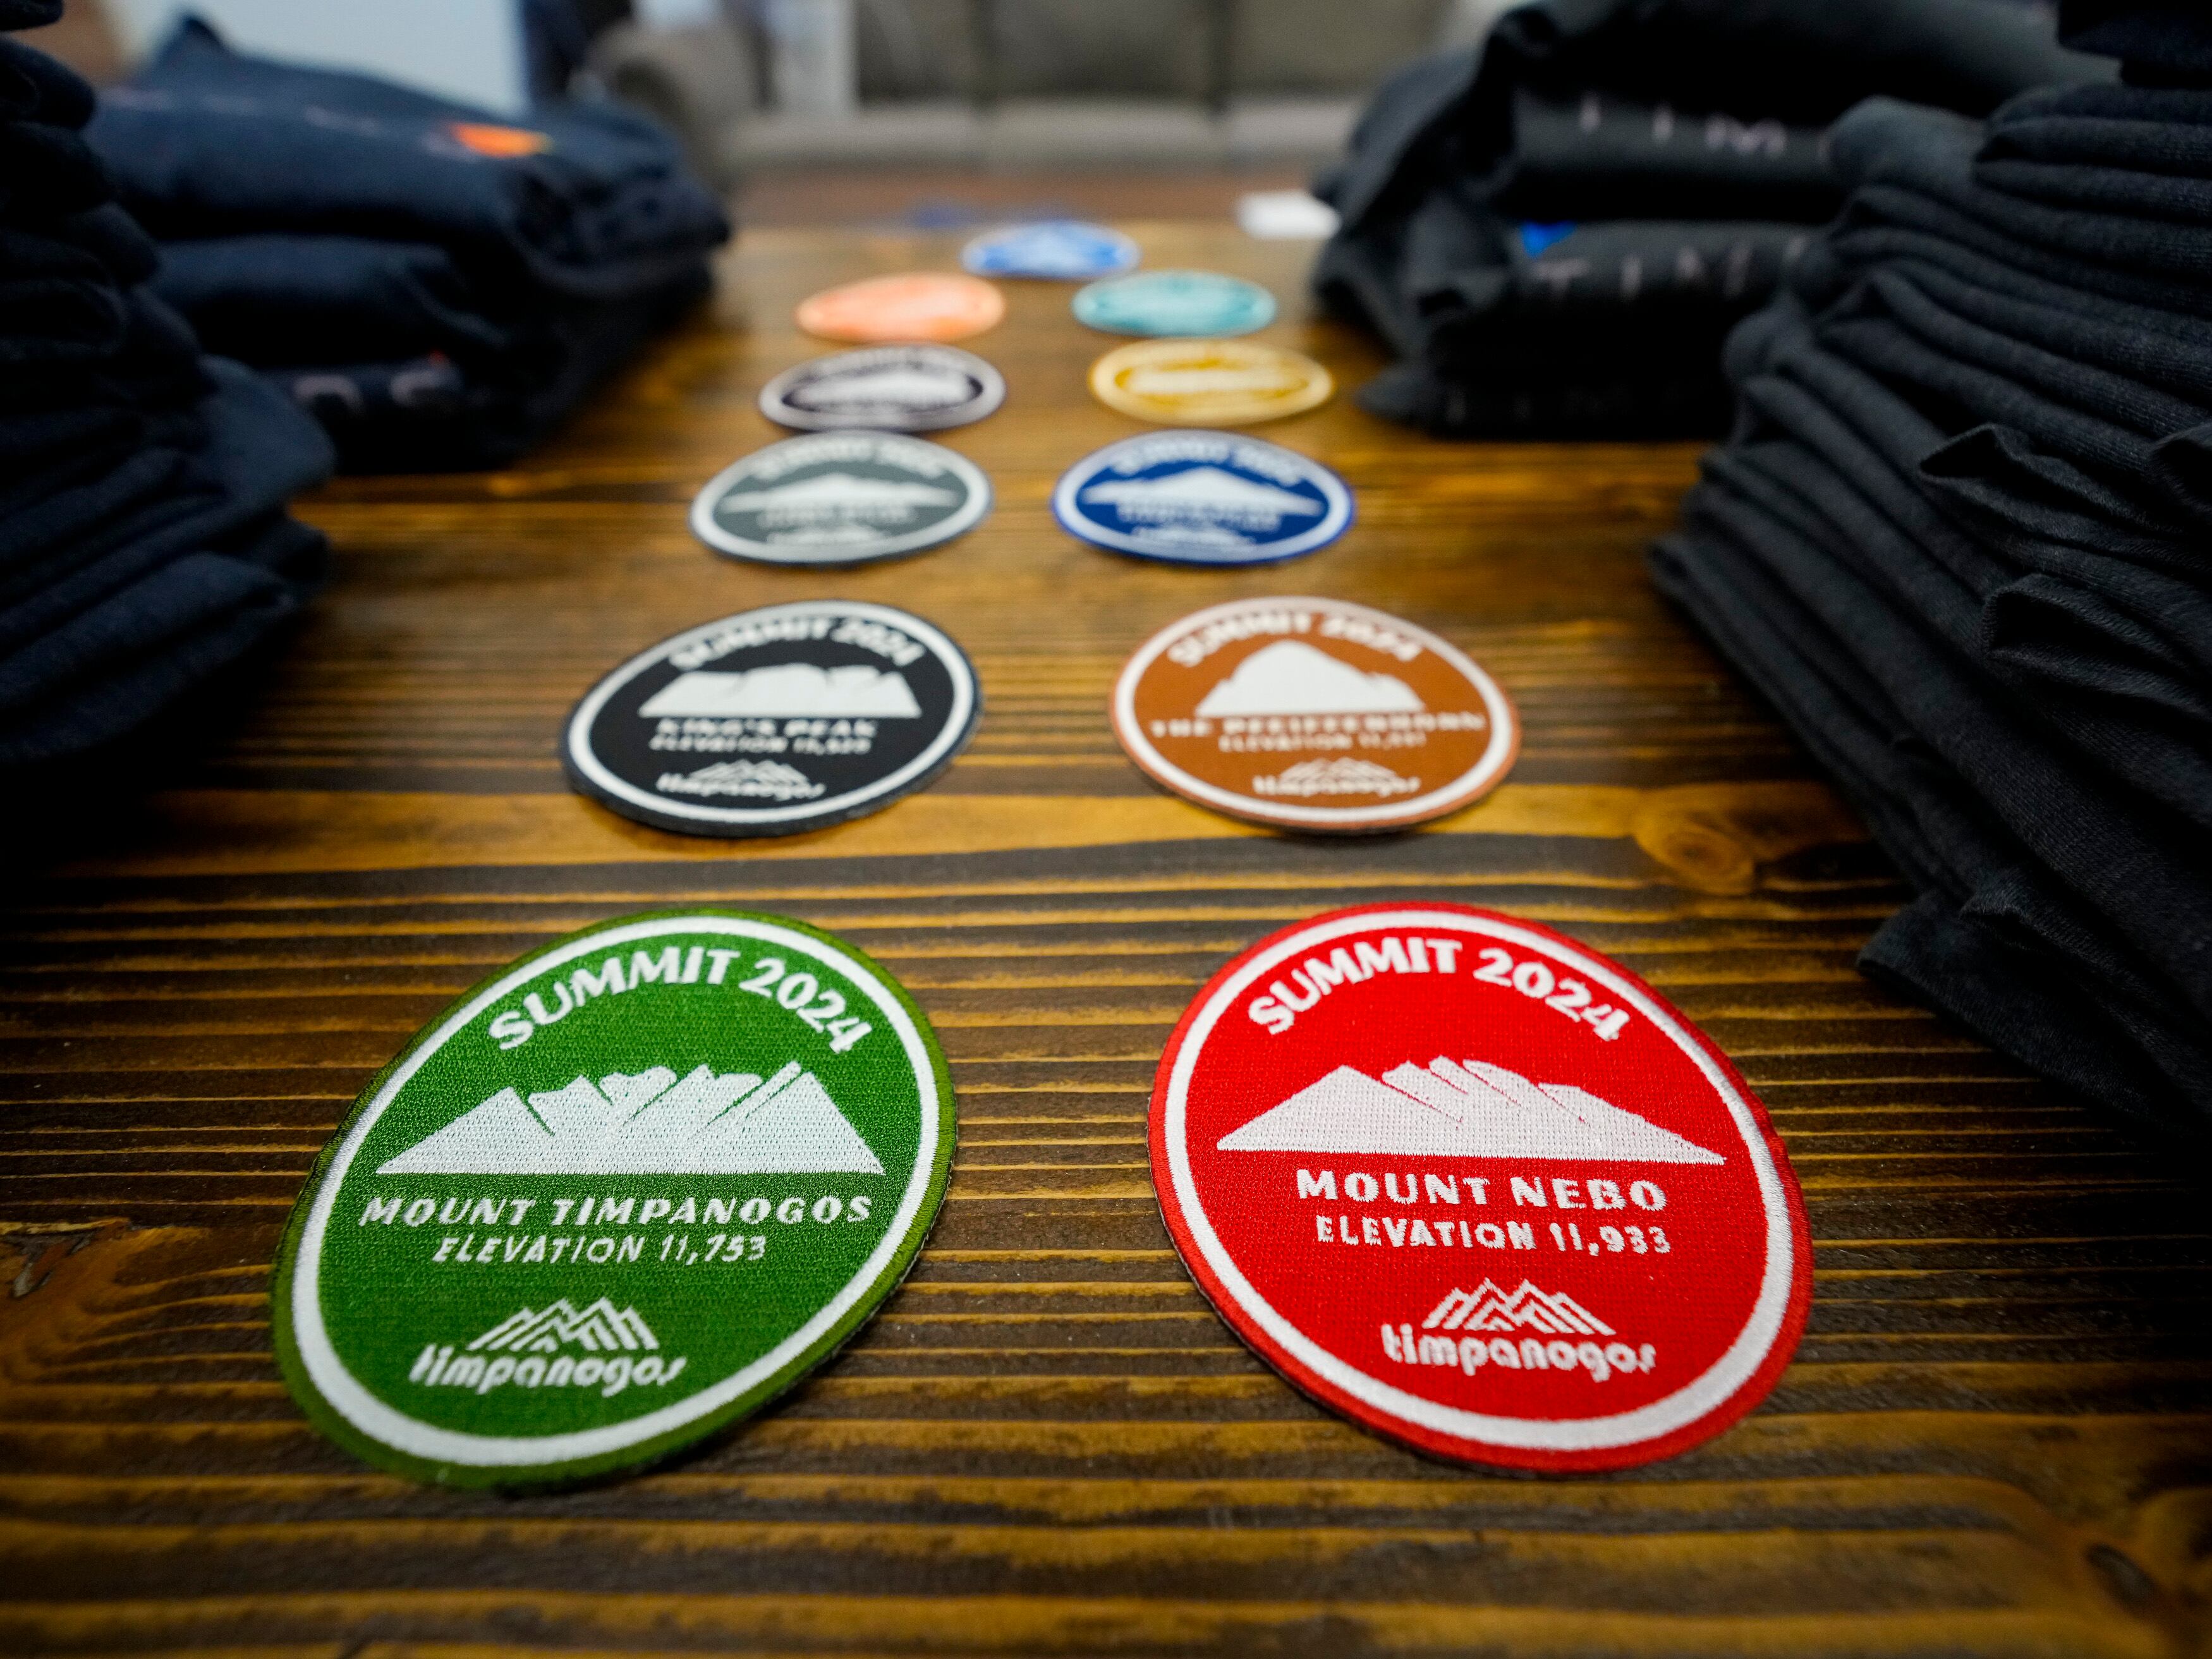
x=1556, y=1317
x=525, y=1350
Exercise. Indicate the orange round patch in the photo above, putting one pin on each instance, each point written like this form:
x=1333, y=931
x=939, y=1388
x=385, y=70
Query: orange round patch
x=922, y=305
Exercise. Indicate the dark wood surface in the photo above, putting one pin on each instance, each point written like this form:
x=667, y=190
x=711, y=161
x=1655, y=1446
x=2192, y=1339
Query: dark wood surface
x=1996, y=1439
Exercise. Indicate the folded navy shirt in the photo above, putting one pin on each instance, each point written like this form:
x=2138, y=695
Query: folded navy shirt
x=145, y=553
x=438, y=286
x=584, y=200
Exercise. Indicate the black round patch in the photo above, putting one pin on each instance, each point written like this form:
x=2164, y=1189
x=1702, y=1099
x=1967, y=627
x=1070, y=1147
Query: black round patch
x=775, y=721
x=894, y=388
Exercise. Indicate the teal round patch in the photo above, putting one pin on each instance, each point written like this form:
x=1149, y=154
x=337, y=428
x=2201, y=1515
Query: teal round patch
x=621, y=1195
x=1175, y=303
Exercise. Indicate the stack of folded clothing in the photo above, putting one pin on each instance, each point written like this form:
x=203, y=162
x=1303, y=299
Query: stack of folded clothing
x=438, y=286
x=145, y=552
x=1958, y=538
x=1555, y=230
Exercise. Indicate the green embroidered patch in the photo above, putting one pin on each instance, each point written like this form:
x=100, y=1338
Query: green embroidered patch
x=614, y=1199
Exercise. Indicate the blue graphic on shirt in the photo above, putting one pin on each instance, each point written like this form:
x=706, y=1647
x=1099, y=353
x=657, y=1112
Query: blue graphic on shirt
x=1535, y=238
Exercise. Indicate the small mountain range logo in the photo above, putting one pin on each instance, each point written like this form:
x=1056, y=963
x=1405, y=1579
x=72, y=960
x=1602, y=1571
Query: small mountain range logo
x=1458, y=1108
x=1203, y=495
x=797, y=690
x=835, y=499
x=1293, y=677
x=1341, y=775
x=620, y=1352
x=600, y=1328
x=1488, y=1308
x=748, y=780
x=650, y=1123
x=887, y=388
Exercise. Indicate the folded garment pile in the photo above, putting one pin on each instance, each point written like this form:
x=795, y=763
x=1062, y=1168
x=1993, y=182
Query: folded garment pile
x=1554, y=231
x=1958, y=535
x=438, y=286
x=145, y=548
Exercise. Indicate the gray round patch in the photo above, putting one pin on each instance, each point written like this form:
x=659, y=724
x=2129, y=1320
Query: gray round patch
x=899, y=388
x=841, y=498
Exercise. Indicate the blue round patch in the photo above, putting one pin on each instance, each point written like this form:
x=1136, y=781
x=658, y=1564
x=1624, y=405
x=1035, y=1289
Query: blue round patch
x=1061, y=249
x=1175, y=302
x=1203, y=498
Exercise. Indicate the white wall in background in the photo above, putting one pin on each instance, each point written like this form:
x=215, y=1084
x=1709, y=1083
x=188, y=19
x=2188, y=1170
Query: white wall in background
x=468, y=50
x=813, y=60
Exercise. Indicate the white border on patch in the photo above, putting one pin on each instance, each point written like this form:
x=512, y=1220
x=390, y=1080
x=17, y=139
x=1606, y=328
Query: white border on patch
x=1703, y=1394
x=576, y=740
x=352, y=1398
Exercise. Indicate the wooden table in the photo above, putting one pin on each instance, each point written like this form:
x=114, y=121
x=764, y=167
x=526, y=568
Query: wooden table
x=1997, y=1436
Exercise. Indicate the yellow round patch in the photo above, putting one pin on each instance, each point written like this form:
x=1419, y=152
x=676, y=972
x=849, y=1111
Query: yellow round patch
x=1209, y=382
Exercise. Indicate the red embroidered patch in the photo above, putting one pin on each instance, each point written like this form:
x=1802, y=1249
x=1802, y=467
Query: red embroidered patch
x=1480, y=1189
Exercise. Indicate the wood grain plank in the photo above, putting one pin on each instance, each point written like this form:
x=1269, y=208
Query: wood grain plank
x=1997, y=1435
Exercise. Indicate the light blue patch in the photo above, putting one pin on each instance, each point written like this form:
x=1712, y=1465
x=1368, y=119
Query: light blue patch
x=1061, y=249
x=1535, y=239
x=1212, y=498
x=1198, y=303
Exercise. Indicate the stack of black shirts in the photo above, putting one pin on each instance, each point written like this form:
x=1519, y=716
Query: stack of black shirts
x=145, y=548
x=439, y=286
x=1958, y=538
x=1554, y=231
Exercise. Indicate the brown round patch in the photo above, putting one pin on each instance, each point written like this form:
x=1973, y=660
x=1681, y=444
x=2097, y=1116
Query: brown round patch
x=1314, y=714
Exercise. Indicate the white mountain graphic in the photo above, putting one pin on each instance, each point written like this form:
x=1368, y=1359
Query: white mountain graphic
x=887, y=388
x=602, y=1329
x=751, y=780
x=1168, y=381
x=838, y=497
x=650, y=1124
x=1292, y=677
x=1341, y=776
x=1487, y=1307
x=1203, y=495
x=1458, y=1108
x=795, y=689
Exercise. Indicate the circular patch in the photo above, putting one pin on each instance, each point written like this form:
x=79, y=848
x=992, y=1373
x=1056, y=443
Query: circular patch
x=1163, y=302
x=1479, y=1189
x=900, y=388
x=922, y=305
x=1209, y=382
x=1056, y=250
x=841, y=498
x=621, y=1195
x=1203, y=498
x=1314, y=714
x=775, y=722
